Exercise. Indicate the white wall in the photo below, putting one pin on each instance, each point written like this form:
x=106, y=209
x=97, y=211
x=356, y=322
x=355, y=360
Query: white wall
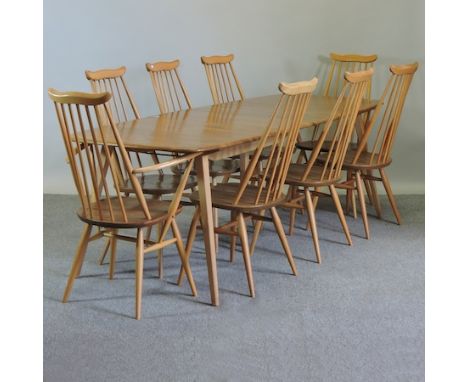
x=273, y=40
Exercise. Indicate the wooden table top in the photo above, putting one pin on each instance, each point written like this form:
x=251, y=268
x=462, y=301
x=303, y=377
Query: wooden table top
x=215, y=127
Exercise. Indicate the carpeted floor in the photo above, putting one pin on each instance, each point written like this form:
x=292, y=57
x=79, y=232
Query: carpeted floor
x=359, y=316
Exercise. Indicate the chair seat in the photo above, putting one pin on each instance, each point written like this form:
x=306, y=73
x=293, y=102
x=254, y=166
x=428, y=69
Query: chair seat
x=224, y=194
x=365, y=161
x=156, y=184
x=135, y=216
x=309, y=145
x=314, y=179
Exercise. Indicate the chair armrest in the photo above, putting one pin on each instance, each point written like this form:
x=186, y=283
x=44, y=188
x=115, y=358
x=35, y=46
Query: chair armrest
x=170, y=163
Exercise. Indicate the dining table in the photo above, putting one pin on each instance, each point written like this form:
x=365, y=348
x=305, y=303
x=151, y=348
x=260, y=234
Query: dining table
x=216, y=132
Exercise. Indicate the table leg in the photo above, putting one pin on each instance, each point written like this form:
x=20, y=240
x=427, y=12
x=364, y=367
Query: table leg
x=206, y=215
x=244, y=162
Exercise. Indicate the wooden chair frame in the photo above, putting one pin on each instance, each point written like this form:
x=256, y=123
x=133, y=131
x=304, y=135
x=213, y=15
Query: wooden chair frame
x=340, y=63
x=323, y=169
x=82, y=118
x=245, y=200
x=375, y=153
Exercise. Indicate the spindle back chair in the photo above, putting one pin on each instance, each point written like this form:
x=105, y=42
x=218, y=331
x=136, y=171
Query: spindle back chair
x=244, y=199
x=222, y=79
x=83, y=119
x=324, y=168
x=374, y=152
x=170, y=91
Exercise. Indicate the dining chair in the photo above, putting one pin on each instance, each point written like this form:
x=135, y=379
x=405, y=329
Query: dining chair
x=123, y=109
x=245, y=200
x=339, y=64
x=323, y=169
x=374, y=152
x=222, y=79
x=92, y=140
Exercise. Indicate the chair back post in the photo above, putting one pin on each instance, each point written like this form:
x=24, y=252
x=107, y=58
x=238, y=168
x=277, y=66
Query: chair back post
x=346, y=109
x=341, y=63
x=386, y=116
x=168, y=87
x=282, y=130
x=81, y=119
x=222, y=79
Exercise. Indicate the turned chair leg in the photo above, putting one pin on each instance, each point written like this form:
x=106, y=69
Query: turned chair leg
x=339, y=210
x=77, y=261
x=312, y=224
x=245, y=252
x=391, y=197
x=139, y=273
x=362, y=202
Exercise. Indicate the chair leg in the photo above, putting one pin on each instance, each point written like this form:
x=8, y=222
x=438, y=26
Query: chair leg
x=183, y=256
x=159, y=253
x=191, y=237
x=362, y=201
x=339, y=210
x=375, y=196
x=312, y=224
x=349, y=193
x=139, y=273
x=284, y=241
x=77, y=261
x=353, y=204
x=113, y=246
x=292, y=212
x=245, y=252
x=104, y=252
x=390, y=196
x=257, y=228
x=370, y=196
x=232, y=249
x=215, y=222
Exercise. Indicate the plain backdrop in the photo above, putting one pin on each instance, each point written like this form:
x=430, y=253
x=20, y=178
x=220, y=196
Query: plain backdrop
x=273, y=40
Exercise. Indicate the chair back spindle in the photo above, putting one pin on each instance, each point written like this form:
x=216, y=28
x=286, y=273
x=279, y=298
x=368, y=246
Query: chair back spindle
x=222, y=79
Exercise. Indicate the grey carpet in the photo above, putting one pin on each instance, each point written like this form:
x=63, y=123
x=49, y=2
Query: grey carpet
x=359, y=316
